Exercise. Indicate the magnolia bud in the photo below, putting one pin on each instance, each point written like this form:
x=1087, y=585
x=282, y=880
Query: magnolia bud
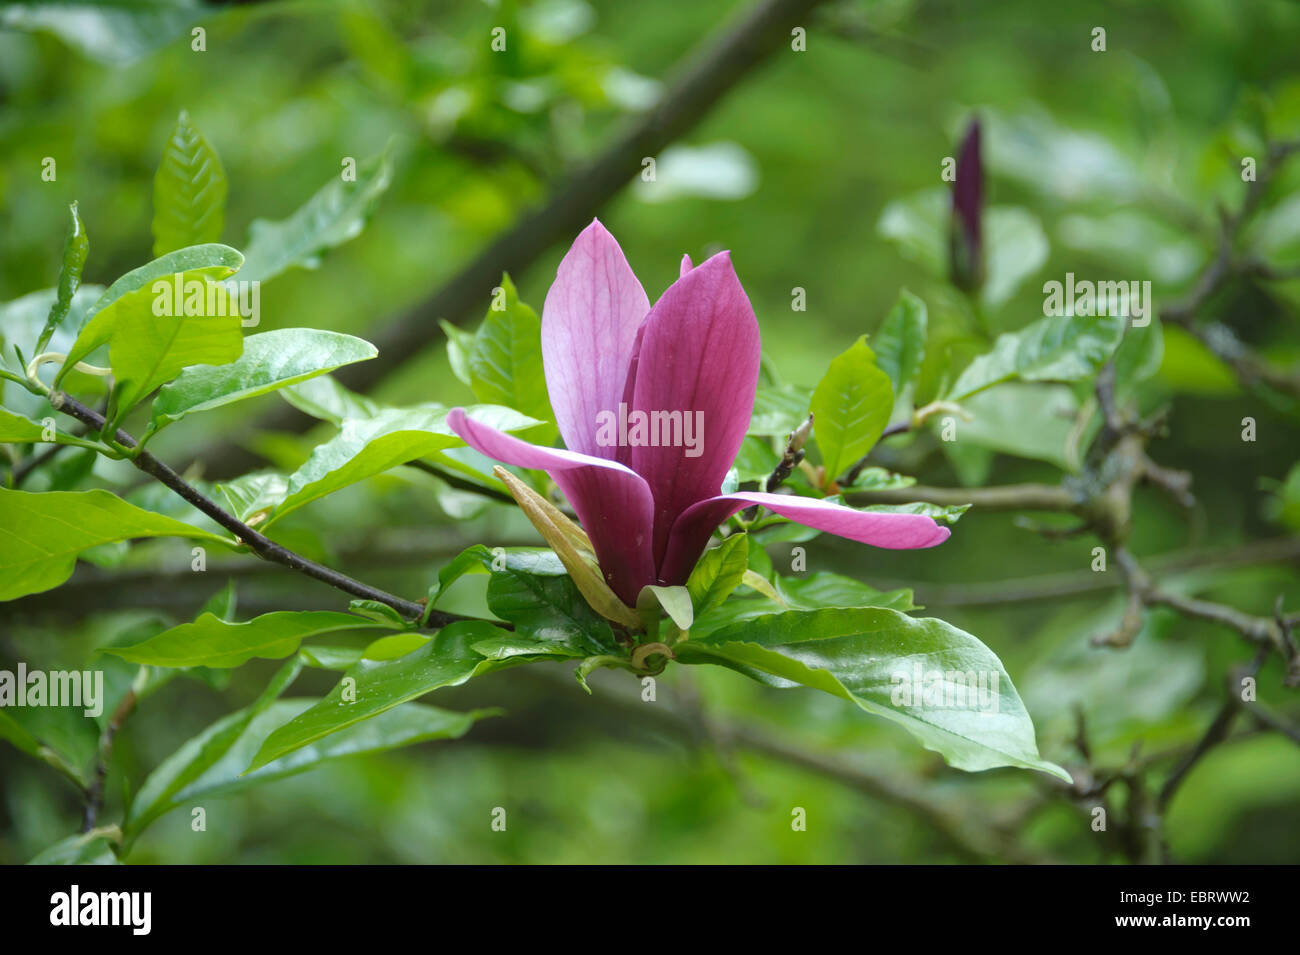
x=965, y=231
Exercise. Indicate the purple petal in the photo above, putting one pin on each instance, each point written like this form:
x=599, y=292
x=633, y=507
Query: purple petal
x=697, y=368
x=691, y=533
x=589, y=323
x=612, y=503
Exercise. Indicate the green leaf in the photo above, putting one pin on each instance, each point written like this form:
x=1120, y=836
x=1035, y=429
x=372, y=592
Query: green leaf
x=212, y=642
x=379, y=612
x=473, y=560
x=222, y=604
x=254, y=493
x=460, y=344
x=189, y=191
x=43, y=532
x=940, y=683
x=160, y=790
x=270, y=360
x=406, y=726
x=1017, y=248
x=372, y=687
x=1055, y=348
x=148, y=349
x=778, y=410
x=851, y=407
x=370, y=446
x=112, y=32
x=84, y=848
x=334, y=215
x=1032, y=420
x=824, y=589
x=675, y=601
x=75, y=249
x=533, y=592
x=945, y=513
x=718, y=573
x=326, y=399
x=135, y=292
x=505, y=364
x=213, y=260
x=1139, y=356
x=15, y=429
x=900, y=340
x=1016, y=244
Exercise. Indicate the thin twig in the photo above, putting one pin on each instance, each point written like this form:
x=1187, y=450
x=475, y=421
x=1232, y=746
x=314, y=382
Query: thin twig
x=258, y=543
x=95, y=792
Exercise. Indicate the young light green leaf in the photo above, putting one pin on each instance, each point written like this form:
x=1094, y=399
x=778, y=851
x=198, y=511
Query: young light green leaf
x=374, y=687
x=944, y=513
x=326, y=399
x=270, y=360
x=851, y=407
x=148, y=349
x=213, y=260
x=940, y=683
x=254, y=493
x=200, y=263
x=15, y=429
x=900, y=340
x=370, y=446
x=718, y=573
x=460, y=344
x=44, y=532
x=212, y=642
x=334, y=215
x=189, y=191
x=674, y=601
x=75, y=249
x=1055, y=348
x=505, y=363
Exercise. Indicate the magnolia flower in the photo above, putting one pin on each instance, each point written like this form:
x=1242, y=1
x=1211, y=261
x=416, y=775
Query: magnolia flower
x=627, y=383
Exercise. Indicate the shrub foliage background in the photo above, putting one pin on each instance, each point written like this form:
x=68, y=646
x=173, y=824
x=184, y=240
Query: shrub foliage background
x=820, y=169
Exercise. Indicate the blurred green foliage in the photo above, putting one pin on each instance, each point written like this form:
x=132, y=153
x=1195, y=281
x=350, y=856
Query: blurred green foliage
x=1109, y=164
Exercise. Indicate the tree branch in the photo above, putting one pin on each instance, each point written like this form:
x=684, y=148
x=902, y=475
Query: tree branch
x=1008, y=497
x=258, y=543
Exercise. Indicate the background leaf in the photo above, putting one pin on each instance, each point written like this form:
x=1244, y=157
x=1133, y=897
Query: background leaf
x=270, y=360
x=44, y=532
x=851, y=407
x=189, y=191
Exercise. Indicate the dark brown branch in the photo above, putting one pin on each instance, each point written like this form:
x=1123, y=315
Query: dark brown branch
x=259, y=544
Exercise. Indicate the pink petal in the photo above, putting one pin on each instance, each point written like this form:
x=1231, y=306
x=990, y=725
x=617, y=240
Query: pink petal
x=691, y=533
x=686, y=265
x=612, y=503
x=589, y=323
x=698, y=356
